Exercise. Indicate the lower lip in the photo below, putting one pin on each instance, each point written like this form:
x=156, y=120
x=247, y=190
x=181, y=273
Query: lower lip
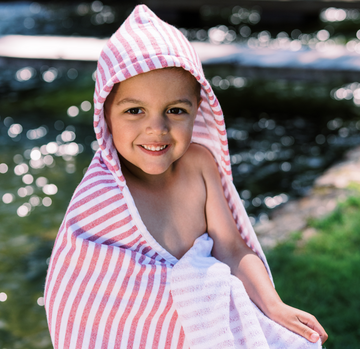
x=155, y=153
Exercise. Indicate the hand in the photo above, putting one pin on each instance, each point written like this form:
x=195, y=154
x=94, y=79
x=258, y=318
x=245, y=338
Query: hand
x=299, y=322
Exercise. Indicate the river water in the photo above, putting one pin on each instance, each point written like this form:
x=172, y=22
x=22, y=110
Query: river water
x=282, y=135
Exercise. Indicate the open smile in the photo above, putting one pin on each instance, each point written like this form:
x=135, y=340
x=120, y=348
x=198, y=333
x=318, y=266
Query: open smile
x=154, y=149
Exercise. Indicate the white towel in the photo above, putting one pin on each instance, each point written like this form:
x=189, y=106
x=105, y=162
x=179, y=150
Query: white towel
x=215, y=310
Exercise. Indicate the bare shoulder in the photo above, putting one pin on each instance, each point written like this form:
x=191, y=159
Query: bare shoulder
x=199, y=157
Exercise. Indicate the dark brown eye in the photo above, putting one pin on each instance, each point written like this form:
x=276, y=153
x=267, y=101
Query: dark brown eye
x=176, y=111
x=134, y=111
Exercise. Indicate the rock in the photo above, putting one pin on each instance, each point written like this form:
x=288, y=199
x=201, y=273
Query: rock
x=330, y=188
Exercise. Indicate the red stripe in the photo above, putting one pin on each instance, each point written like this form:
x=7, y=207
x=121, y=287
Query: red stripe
x=73, y=236
x=156, y=304
x=80, y=293
x=170, y=333
x=113, y=227
x=102, y=73
x=118, y=300
x=133, y=295
x=129, y=50
x=133, y=33
x=120, y=60
x=147, y=296
x=160, y=323
x=126, y=234
x=181, y=339
x=91, y=299
x=105, y=299
x=69, y=285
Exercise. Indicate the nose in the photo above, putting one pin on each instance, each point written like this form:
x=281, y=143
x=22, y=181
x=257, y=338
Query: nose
x=157, y=125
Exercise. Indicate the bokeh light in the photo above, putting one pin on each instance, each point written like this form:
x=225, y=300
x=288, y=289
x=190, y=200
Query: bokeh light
x=8, y=198
x=85, y=106
x=3, y=168
x=40, y=301
x=50, y=189
x=36, y=133
x=23, y=210
x=41, y=181
x=25, y=74
x=14, y=130
x=3, y=297
x=46, y=201
x=73, y=111
x=50, y=75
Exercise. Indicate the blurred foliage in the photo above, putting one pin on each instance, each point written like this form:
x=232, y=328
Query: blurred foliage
x=321, y=276
x=25, y=246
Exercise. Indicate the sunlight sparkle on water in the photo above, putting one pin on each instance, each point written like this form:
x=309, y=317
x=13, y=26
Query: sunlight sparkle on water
x=333, y=14
x=41, y=181
x=48, y=160
x=29, y=190
x=94, y=145
x=21, y=169
x=35, y=154
x=50, y=75
x=36, y=133
x=14, y=130
x=68, y=136
x=4, y=168
x=37, y=163
x=35, y=200
x=25, y=74
x=272, y=202
x=46, y=201
x=8, y=198
x=23, y=211
x=52, y=147
x=28, y=179
x=73, y=111
x=85, y=106
x=22, y=192
x=50, y=189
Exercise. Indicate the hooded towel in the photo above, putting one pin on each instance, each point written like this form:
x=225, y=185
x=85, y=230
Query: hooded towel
x=109, y=283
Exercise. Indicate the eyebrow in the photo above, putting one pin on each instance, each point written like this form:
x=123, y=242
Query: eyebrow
x=137, y=101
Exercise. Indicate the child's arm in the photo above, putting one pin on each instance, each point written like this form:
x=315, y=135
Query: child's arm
x=231, y=249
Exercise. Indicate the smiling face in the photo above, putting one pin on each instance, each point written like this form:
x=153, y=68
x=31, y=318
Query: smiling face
x=151, y=118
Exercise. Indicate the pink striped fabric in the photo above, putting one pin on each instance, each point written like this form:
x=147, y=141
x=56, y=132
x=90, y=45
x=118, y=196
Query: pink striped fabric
x=215, y=310
x=108, y=282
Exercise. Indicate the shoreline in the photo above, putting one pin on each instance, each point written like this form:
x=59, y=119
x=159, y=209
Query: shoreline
x=332, y=187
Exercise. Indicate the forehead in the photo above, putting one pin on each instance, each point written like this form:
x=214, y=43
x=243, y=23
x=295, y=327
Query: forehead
x=169, y=79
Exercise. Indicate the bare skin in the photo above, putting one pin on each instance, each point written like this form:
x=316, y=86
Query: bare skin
x=151, y=129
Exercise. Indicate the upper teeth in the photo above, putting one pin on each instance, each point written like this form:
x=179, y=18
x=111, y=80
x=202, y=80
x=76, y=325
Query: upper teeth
x=154, y=148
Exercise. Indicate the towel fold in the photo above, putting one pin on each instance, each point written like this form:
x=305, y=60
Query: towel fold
x=215, y=310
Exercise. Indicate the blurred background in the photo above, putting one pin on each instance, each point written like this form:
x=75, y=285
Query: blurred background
x=287, y=74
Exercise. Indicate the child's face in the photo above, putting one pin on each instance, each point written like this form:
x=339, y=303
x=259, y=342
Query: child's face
x=151, y=118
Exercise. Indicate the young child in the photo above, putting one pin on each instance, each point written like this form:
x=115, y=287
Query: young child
x=144, y=255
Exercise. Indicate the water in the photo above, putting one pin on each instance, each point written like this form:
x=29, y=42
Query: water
x=282, y=135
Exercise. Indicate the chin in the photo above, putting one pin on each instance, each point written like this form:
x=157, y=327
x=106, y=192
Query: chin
x=154, y=171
